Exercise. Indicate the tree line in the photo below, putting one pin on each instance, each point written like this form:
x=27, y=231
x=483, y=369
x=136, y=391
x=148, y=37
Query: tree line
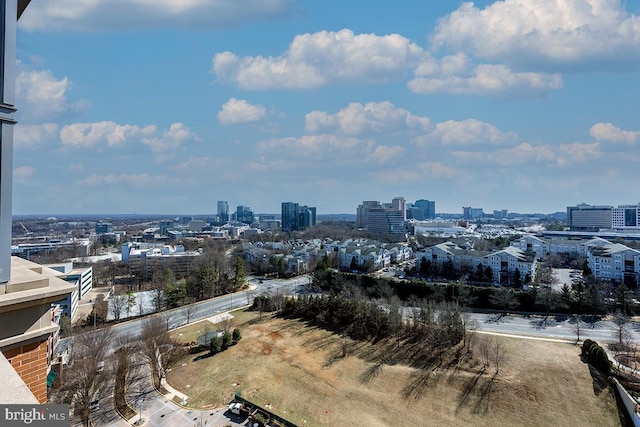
x=581, y=297
x=441, y=325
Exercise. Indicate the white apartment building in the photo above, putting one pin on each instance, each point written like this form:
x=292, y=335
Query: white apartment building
x=542, y=247
x=607, y=260
x=378, y=258
x=503, y=263
x=615, y=262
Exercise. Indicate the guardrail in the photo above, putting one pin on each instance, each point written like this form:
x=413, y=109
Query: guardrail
x=629, y=402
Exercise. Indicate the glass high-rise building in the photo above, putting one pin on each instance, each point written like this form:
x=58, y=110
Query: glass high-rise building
x=297, y=217
x=426, y=209
x=223, y=211
x=244, y=214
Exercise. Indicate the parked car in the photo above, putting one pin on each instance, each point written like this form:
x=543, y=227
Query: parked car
x=100, y=367
x=94, y=405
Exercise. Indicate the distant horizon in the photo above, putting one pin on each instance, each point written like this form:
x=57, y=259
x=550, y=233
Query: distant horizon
x=64, y=215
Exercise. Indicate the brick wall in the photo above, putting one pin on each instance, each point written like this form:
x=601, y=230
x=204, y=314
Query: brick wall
x=30, y=362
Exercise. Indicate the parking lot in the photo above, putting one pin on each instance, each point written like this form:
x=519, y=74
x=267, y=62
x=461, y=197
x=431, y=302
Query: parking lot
x=562, y=276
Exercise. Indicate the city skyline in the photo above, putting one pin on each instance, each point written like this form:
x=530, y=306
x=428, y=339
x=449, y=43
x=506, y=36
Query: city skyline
x=525, y=105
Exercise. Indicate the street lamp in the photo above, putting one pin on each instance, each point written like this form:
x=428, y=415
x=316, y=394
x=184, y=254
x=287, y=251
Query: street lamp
x=140, y=407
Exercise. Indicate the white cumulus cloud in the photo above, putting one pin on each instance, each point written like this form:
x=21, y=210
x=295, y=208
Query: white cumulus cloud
x=526, y=153
x=177, y=135
x=465, y=132
x=384, y=153
x=138, y=180
x=494, y=79
x=318, y=146
x=317, y=59
x=611, y=133
x=544, y=34
x=43, y=96
x=111, y=133
x=80, y=135
x=33, y=136
x=374, y=117
x=239, y=111
x=436, y=169
x=24, y=172
x=99, y=15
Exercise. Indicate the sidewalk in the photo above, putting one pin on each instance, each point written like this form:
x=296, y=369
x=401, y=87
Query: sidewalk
x=172, y=392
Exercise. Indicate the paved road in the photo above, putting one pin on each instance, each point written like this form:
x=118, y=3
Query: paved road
x=558, y=327
x=202, y=310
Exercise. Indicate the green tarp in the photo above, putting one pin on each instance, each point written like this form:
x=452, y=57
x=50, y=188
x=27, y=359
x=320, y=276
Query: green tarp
x=51, y=378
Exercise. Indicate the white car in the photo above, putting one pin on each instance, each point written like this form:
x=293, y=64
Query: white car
x=235, y=407
x=94, y=406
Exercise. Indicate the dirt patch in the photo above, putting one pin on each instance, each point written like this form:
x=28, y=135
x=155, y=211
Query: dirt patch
x=266, y=350
x=275, y=335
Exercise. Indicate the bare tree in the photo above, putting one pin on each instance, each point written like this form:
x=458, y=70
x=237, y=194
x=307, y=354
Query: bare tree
x=621, y=320
x=227, y=323
x=87, y=381
x=159, y=350
x=100, y=309
x=577, y=327
x=484, y=351
x=140, y=305
x=499, y=354
x=188, y=310
x=251, y=294
x=469, y=323
x=395, y=318
x=117, y=304
x=128, y=372
x=547, y=298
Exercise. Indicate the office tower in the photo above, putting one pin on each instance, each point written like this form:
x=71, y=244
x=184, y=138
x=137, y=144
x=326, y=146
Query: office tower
x=363, y=210
x=427, y=209
x=244, y=214
x=297, y=217
x=384, y=219
x=399, y=204
x=500, y=214
x=626, y=217
x=388, y=222
x=165, y=225
x=223, y=211
x=584, y=217
x=306, y=216
x=104, y=227
x=289, y=216
x=472, y=213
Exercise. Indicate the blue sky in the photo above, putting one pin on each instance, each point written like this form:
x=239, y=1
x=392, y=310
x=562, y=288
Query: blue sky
x=167, y=106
